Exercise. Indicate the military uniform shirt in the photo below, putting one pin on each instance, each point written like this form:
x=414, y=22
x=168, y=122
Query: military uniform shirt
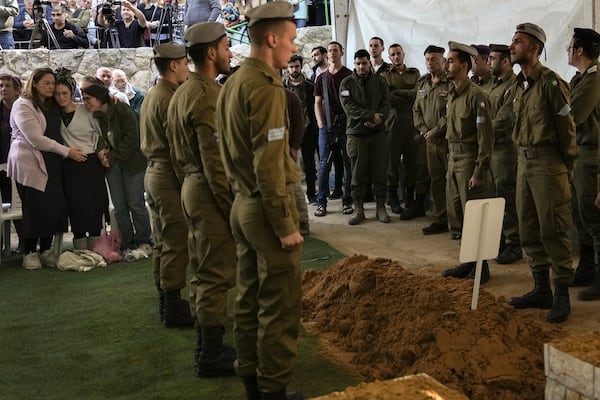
x=468, y=121
x=543, y=114
x=485, y=83
x=253, y=122
x=501, y=112
x=585, y=100
x=429, y=110
x=403, y=87
x=153, y=121
x=193, y=134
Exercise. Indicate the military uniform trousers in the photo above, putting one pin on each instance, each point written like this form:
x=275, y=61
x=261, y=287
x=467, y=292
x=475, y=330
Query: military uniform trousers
x=169, y=234
x=268, y=306
x=461, y=165
x=504, y=169
x=212, y=252
x=407, y=150
x=586, y=215
x=369, y=160
x=544, y=211
x=437, y=166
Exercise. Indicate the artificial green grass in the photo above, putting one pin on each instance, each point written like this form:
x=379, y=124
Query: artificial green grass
x=96, y=335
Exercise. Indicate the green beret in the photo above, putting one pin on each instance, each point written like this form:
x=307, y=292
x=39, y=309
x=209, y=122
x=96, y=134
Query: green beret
x=169, y=51
x=203, y=33
x=465, y=48
x=532, y=30
x=499, y=48
x=270, y=11
x=586, y=35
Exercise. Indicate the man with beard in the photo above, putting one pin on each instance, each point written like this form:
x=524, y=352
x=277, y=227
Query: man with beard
x=504, y=155
x=545, y=135
x=205, y=195
x=481, y=69
x=469, y=135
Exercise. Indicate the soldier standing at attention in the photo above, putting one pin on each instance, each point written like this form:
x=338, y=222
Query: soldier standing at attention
x=366, y=101
x=545, y=136
x=402, y=144
x=504, y=155
x=482, y=76
x=469, y=134
x=583, y=51
x=163, y=187
x=429, y=114
x=253, y=126
x=205, y=195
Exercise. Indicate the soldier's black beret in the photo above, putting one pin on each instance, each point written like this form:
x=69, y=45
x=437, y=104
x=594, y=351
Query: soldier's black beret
x=482, y=49
x=434, y=49
x=499, y=48
x=586, y=35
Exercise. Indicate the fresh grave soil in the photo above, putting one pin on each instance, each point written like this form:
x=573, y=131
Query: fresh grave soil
x=390, y=322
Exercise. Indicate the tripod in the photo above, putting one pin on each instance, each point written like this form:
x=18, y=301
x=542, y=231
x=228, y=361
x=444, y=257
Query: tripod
x=42, y=27
x=167, y=14
x=110, y=34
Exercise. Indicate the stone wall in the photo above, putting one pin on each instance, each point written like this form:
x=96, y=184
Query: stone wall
x=135, y=62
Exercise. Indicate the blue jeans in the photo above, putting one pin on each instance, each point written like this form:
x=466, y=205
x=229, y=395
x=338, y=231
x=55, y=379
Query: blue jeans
x=324, y=169
x=127, y=194
x=6, y=41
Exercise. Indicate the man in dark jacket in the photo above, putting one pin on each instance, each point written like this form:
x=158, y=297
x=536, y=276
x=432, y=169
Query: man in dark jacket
x=365, y=99
x=67, y=34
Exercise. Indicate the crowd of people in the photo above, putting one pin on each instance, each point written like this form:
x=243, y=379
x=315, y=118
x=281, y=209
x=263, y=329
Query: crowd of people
x=220, y=167
x=73, y=24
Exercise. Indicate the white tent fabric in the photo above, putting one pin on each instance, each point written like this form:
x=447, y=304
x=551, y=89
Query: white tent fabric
x=415, y=24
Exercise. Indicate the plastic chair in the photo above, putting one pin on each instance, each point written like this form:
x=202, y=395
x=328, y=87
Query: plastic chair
x=11, y=210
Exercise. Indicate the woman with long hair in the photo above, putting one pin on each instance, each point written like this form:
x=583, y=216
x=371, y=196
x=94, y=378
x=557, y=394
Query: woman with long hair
x=120, y=153
x=35, y=161
x=85, y=190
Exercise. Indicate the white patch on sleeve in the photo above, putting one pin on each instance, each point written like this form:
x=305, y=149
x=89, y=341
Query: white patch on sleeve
x=276, y=134
x=480, y=119
x=216, y=136
x=565, y=110
x=345, y=93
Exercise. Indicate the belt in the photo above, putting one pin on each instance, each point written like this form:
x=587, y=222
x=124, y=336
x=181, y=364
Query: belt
x=461, y=147
x=537, y=152
x=158, y=164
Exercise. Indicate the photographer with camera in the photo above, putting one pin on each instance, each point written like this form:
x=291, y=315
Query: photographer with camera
x=68, y=35
x=130, y=29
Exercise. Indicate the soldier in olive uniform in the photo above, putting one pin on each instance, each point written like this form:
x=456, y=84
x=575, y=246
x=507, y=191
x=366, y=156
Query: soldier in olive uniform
x=429, y=114
x=545, y=135
x=163, y=187
x=365, y=99
x=504, y=156
x=583, y=52
x=205, y=194
x=253, y=126
x=469, y=135
x=482, y=76
x=403, y=146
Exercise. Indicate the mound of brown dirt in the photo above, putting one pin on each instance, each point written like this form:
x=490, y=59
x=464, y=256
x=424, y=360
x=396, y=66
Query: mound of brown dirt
x=395, y=323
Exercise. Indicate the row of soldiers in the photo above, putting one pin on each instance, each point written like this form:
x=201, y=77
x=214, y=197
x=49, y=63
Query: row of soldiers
x=530, y=138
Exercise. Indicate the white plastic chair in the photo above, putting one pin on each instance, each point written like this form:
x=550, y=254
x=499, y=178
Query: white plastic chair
x=11, y=210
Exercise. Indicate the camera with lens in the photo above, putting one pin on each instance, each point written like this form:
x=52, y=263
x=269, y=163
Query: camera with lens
x=38, y=6
x=108, y=9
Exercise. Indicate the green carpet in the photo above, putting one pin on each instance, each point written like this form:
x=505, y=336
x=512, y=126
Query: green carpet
x=96, y=335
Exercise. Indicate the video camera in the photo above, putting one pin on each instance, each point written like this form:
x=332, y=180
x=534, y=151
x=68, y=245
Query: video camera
x=38, y=6
x=108, y=9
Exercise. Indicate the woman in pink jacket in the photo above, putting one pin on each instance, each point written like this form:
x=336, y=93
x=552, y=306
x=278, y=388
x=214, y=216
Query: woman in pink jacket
x=35, y=162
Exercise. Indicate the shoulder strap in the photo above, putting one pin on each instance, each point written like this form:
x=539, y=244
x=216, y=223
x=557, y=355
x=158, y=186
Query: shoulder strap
x=326, y=100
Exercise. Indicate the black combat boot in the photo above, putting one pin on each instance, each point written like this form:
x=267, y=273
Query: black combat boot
x=561, y=306
x=416, y=207
x=461, y=271
x=282, y=395
x=394, y=201
x=539, y=297
x=485, y=272
x=584, y=273
x=215, y=359
x=591, y=292
x=176, y=310
x=161, y=303
x=251, y=386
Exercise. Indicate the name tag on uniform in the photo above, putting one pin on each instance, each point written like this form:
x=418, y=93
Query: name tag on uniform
x=565, y=110
x=480, y=119
x=345, y=93
x=275, y=134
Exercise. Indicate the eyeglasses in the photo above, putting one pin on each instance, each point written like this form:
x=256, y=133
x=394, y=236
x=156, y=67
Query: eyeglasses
x=86, y=99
